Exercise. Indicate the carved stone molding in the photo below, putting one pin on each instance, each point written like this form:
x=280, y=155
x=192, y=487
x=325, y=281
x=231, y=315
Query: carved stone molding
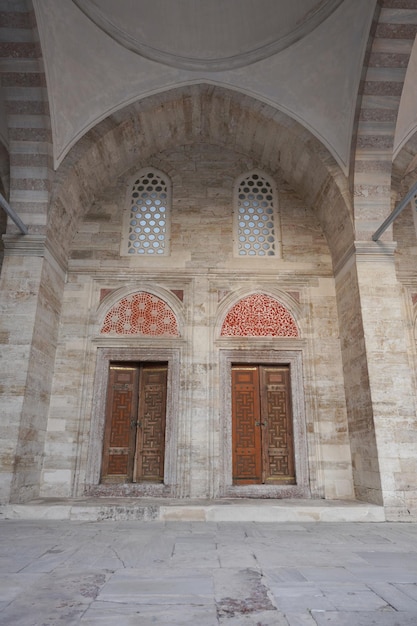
x=24, y=245
x=366, y=251
x=34, y=245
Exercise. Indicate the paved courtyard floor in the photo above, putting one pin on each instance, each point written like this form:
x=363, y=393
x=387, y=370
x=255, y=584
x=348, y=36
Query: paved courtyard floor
x=125, y=573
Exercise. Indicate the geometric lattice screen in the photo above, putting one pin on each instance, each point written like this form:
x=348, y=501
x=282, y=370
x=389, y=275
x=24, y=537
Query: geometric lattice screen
x=141, y=314
x=254, y=217
x=259, y=315
x=147, y=231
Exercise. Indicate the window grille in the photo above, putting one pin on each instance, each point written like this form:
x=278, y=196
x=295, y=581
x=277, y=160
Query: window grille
x=149, y=206
x=255, y=219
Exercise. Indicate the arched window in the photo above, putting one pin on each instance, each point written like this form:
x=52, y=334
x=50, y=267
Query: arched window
x=146, y=231
x=256, y=226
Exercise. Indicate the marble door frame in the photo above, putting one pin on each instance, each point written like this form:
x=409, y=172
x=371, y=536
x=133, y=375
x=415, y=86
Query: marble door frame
x=293, y=358
x=135, y=355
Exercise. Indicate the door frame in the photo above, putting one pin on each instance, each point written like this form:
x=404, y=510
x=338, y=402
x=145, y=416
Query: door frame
x=136, y=415
x=105, y=356
x=293, y=358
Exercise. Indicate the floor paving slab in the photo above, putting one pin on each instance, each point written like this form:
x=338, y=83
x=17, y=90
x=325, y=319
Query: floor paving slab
x=300, y=619
x=396, y=595
x=363, y=618
x=131, y=586
x=186, y=573
x=111, y=614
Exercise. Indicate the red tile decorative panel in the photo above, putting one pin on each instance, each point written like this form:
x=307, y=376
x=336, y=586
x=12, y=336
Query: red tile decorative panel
x=104, y=293
x=259, y=315
x=179, y=293
x=141, y=314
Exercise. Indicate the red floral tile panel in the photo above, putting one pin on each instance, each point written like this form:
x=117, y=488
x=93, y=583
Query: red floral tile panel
x=259, y=315
x=141, y=314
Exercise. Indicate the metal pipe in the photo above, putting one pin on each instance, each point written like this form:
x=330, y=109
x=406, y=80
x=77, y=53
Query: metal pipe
x=12, y=213
x=398, y=209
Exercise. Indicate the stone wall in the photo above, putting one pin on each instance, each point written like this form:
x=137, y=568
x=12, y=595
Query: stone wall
x=202, y=278
x=376, y=308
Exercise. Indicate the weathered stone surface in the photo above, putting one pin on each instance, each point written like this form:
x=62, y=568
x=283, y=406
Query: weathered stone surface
x=353, y=365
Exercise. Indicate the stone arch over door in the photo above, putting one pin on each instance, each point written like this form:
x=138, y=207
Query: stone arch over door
x=140, y=314
x=259, y=315
x=270, y=310
x=150, y=298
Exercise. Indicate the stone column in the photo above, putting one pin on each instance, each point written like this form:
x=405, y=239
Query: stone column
x=31, y=287
x=390, y=380
x=382, y=413
x=379, y=388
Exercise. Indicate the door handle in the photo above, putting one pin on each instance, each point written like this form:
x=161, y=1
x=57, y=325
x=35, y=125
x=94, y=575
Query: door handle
x=261, y=423
x=135, y=424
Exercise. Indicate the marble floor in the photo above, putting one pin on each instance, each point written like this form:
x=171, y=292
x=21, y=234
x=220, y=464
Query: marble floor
x=128, y=573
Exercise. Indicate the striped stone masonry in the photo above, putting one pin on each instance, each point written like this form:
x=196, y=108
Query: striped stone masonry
x=24, y=86
x=381, y=93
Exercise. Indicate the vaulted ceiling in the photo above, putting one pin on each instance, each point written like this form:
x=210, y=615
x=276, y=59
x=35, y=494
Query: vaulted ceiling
x=304, y=58
x=196, y=34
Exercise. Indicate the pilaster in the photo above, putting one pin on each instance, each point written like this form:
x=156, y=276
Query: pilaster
x=31, y=285
x=381, y=405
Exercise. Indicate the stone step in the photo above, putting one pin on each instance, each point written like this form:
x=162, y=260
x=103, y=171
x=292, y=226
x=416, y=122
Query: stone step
x=165, y=510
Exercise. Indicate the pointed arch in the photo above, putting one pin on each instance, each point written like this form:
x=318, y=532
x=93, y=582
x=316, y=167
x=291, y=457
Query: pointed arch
x=277, y=143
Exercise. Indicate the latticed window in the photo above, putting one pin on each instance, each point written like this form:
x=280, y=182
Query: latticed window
x=149, y=213
x=256, y=226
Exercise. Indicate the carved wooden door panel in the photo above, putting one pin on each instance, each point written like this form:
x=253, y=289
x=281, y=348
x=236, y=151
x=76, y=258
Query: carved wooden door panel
x=246, y=435
x=277, y=425
x=150, y=449
x=134, y=437
x=262, y=429
x=120, y=430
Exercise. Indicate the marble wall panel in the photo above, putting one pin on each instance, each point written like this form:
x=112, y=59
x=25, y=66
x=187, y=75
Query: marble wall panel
x=41, y=283
x=201, y=263
x=358, y=400
x=390, y=379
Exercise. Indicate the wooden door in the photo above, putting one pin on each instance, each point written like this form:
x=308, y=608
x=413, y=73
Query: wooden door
x=262, y=429
x=150, y=448
x=134, y=438
x=120, y=430
x=277, y=425
x=246, y=434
